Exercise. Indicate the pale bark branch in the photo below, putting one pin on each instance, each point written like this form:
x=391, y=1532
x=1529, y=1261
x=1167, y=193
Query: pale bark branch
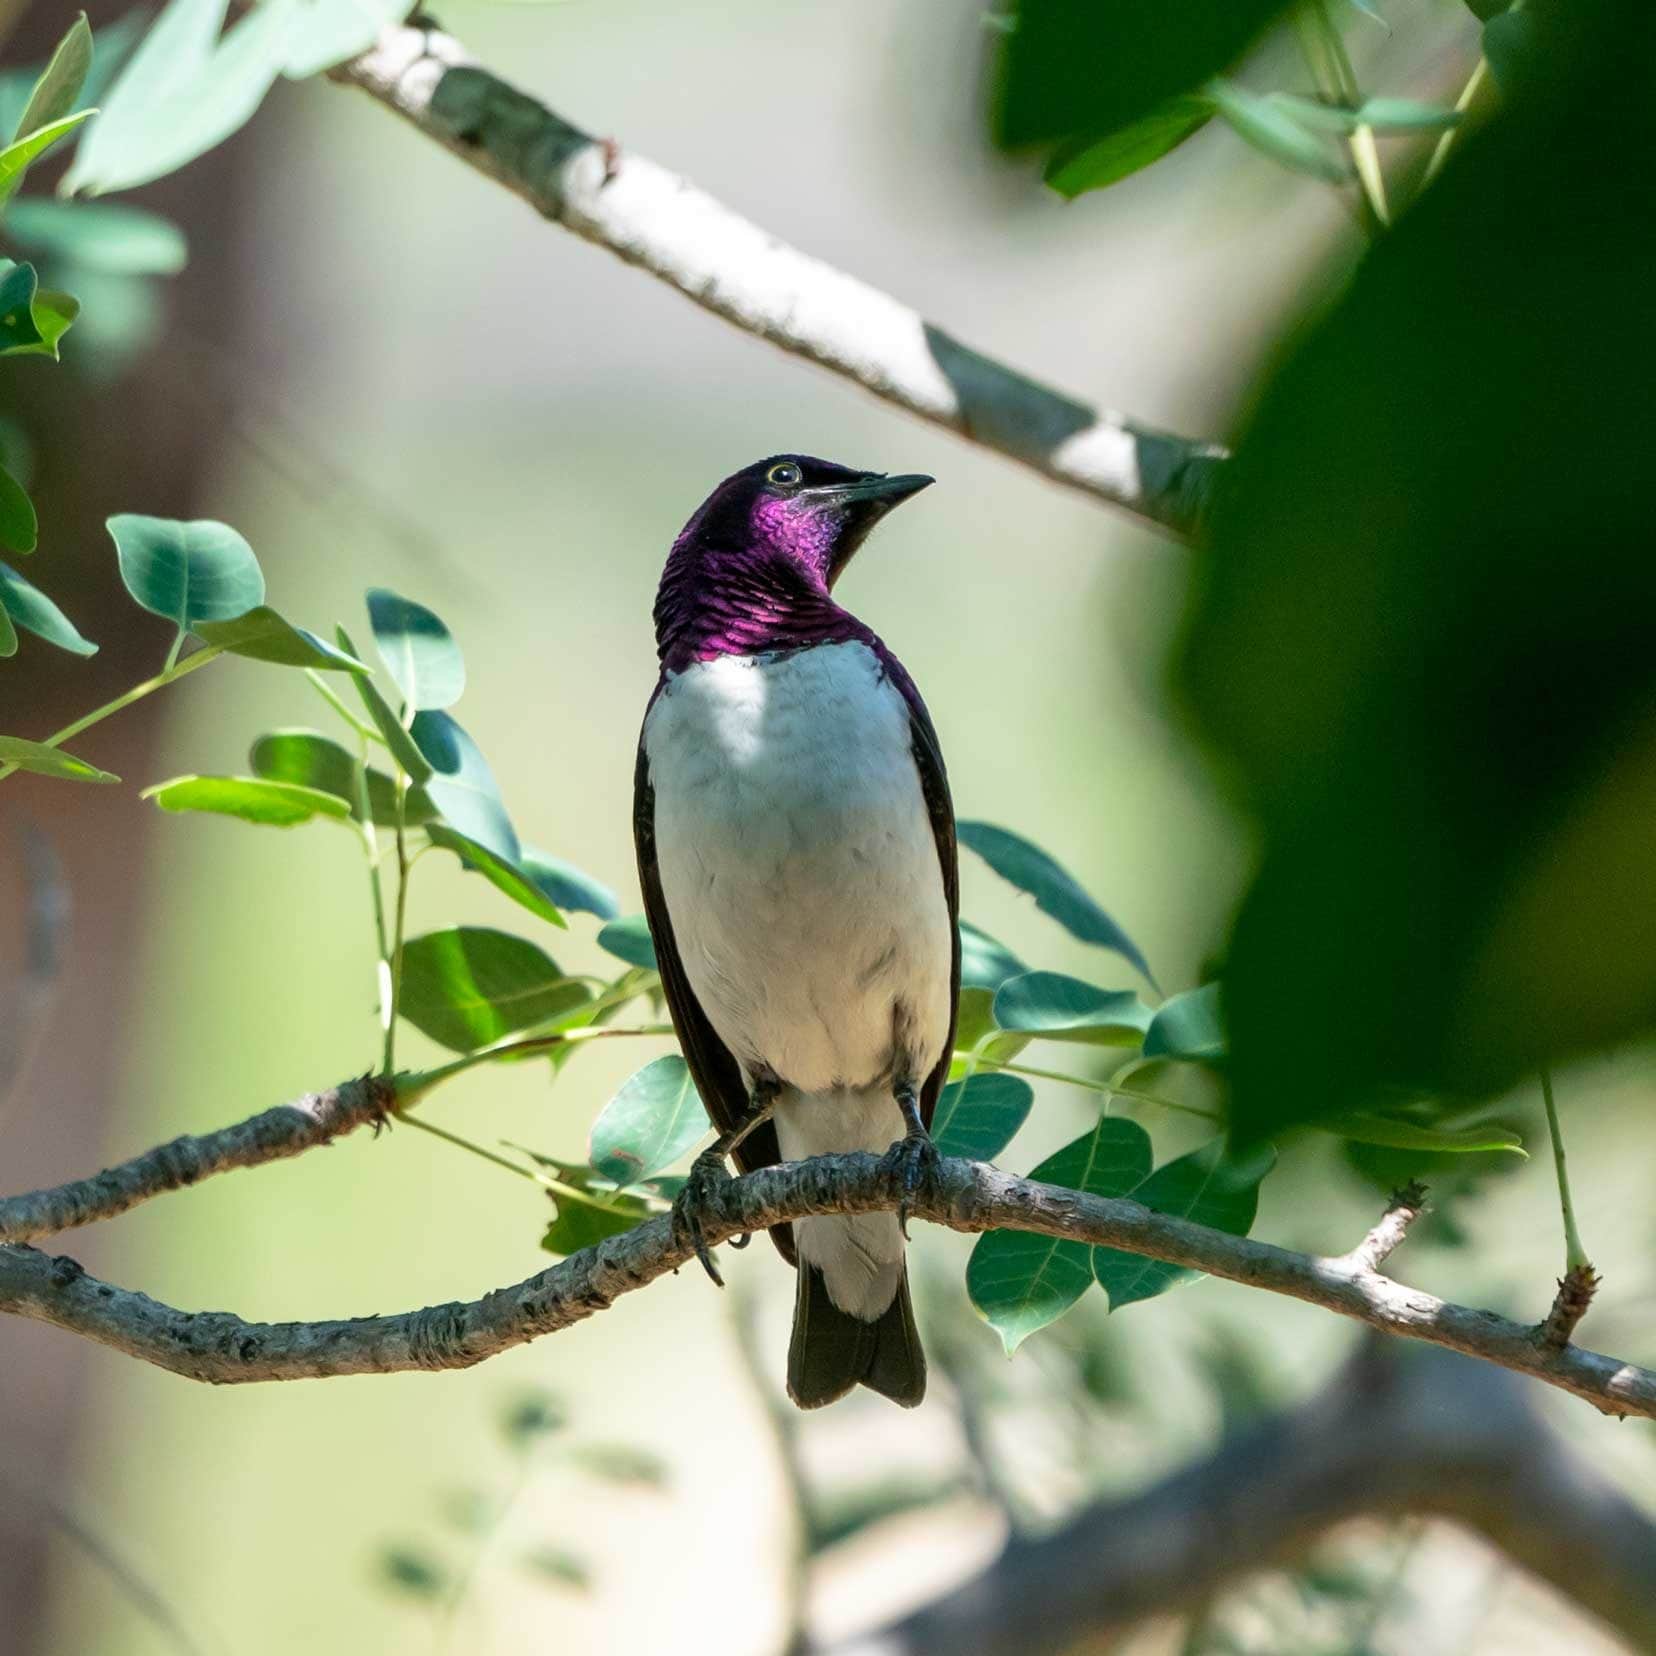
x=283, y=1131
x=966, y=1196
x=1437, y=1436
x=654, y=219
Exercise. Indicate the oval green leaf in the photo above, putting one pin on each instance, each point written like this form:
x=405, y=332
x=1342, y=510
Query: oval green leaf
x=419, y=652
x=251, y=798
x=32, y=319
x=1207, y=1187
x=1275, y=133
x=1188, y=1027
x=979, y=1117
x=1019, y=1282
x=629, y=939
x=502, y=875
x=1408, y=1135
x=1055, y=891
x=17, y=157
x=317, y=761
x=49, y=761
x=54, y=93
x=470, y=986
x=462, y=786
x=263, y=635
x=32, y=610
x=1095, y=163
x=188, y=572
x=568, y=886
x=19, y=528
x=985, y=963
x=1061, y=1008
x=650, y=1123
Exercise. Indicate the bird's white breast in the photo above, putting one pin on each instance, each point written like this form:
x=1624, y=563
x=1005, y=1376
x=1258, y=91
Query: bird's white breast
x=799, y=866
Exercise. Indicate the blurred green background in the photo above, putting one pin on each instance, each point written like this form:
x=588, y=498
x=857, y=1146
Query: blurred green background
x=421, y=385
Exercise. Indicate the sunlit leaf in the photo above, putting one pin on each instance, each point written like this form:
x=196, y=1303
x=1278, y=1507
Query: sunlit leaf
x=32, y=610
x=508, y=877
x=649, y=1124
x=1085, y=164
x=1066, y=1009
x=586, y=1216
x=263, y=635
x=1207, y=1187
x=49, y=761
x=469, y=986
x=462, y=786
x=188, y=572
x=17, y=157
x=1020, y=1282
x=33, y=319
x=251, y=798
x=390, y=727
x=53, y=95
x=566, y=885
x=980, y=1117
x=317, y=761
x=419, y=652
x=1188, y=1027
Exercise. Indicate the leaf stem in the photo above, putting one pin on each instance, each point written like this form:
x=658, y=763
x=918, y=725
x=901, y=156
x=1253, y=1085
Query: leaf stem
x=476, y=1149
x=399, y=925
x=1342, y=83
x=1440, y=152
x=1103, y=1087
x=417, y=1083
x=370, y=849
x=169, y=675
x=1575, y=1256
x=327, y=692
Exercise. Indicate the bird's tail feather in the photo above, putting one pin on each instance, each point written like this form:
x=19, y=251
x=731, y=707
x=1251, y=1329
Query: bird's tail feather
x=832, y=1351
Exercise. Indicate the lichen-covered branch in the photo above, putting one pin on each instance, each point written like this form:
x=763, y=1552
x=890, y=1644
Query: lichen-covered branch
x=283, y=1131
x=652, y=218
x=966, y=1196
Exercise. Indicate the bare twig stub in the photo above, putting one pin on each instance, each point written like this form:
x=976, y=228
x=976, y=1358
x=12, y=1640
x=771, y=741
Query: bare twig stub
x=654, y=219
x=1405, y=1206
x=1570, y=1304
x=966, y=1196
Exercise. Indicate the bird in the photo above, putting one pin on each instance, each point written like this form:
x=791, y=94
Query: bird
x=797, y=855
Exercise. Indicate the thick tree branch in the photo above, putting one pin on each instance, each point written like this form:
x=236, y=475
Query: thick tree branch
x=1434, y=1435
x=269, y=1136
x=967, y=1196
x=654, y=219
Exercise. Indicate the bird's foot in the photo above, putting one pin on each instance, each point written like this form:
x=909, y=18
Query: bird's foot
x=910, y=1162
x=708, y=1176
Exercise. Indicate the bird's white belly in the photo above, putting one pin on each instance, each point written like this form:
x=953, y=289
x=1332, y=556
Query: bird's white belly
x=799, y=866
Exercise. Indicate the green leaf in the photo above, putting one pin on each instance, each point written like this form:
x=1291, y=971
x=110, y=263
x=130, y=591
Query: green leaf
x=1066, y=1009
x=567, y=886
x=978, y=1118
x=1188, y=1027
x=49, y=761
x=1207, y=1187
x=32, y=319
x=1514, y=44
x=16, y=158
x=1020, y=1282
x=397, y=739
x=1086, y=164
x=251, y=798
x=1381, y=115
x=328, y=32
x=1055, y=891
x=263, y=635
x=1080, y=68
x=108, y=237
x=1274, y=132
x=649, y=1124
x=418, y=651
x=589, y=1216
x=183, y=91
x=621, y=1463
x=975, y=1020
x=19, y=528
x=8, y=635
x=32, y=610
x=984, y=963
x=629, y=940
x=504, y=876
x=1366, y=1128
x=317, y=761
x=462, y=786
x=60, y=81
x=469, y=986
x=188, y=572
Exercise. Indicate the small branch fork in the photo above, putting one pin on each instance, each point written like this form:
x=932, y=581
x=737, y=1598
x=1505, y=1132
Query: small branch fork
x=966, y=1196
x=658, y=221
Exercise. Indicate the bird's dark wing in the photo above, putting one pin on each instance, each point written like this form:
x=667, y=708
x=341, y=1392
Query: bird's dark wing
x=716, y=1073
x=934, y=785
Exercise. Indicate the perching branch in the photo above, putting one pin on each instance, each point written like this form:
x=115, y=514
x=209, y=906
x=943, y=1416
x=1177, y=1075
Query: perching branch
x=650, y=217
x=1435, y=1436
x=966, y=1196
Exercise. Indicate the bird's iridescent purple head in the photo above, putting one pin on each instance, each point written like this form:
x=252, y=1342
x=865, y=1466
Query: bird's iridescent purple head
x=753, y=568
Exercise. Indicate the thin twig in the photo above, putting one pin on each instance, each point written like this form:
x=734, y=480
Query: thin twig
x=1383, y=1241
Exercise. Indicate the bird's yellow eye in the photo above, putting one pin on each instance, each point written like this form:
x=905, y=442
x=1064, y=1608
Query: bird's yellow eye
x=784, y=474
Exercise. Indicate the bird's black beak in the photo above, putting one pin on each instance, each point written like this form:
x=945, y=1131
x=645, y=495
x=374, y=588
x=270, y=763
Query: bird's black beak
x=859, y=506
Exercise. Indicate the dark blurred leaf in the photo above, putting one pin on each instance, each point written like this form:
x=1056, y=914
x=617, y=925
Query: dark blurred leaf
x=1207, y=1187
x=629, y=940
x=8, y=634
x=251, y=798
x=1514, y=42
x=468, y=986
x=530, y=1417
x=984, y=963
x=1072, y=68
x=502, y=875
x=1420, y=641
x=55, y=94
x=556, y=1566
x=49, y=761
x=566, y=885
x=32, y=610
x=1063, y=1008
x=978, y=1118
x=188, y=572
x=32, y=318
x=419, y=652
x=1188, y=1027
x=103, y=236
x=621, y=1463
x=1274, y=131
x=649, y=1124
x=1383, y=115
x=19, y=530
x=263, y=635
x=1406, y=1135
x=1055, y=891
x=317, y=761
x=462, y=786
x=414, y=1572
x=1020, y=1282
x=1086, y=164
